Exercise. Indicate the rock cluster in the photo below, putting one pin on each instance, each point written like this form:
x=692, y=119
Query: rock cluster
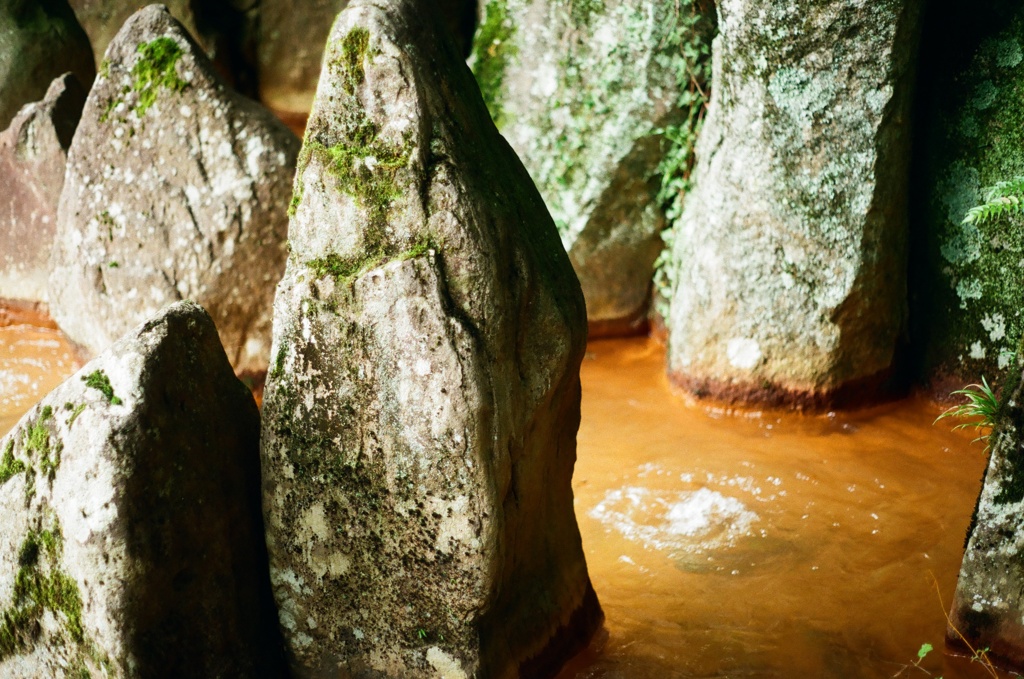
x=422, y=404
x=176, y=188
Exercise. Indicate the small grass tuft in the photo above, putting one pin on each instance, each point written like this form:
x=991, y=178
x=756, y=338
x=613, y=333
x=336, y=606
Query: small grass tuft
x=99, y=380
x=980, y=410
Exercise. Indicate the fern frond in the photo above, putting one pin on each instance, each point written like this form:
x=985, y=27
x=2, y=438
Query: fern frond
x=1001, y=200
x=981, y=407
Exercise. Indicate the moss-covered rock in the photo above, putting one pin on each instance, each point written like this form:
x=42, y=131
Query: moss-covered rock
x=969, y=285
x=421, y=410
x=33, y=155
x=790, y=254
x=582, y=90
x=177, y=188
x=132, y=540
x=39, y=41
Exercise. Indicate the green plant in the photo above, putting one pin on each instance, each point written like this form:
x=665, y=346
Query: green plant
x=693, y=74
x=98, y=380
x=922, y=653
x=1002, y=200
x=980, y=409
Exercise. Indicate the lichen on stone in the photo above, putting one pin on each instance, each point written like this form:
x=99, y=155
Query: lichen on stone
x=493, y=48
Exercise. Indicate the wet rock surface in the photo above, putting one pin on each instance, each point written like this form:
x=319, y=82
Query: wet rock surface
x=988, y=605
x=39, y=41
x=132, y=537
x=33, y=155
x=580, y=90
x=421, y=408
x=791, y=250
x=177, y=188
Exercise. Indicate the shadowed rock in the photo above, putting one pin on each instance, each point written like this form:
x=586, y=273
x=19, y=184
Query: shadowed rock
x=988, y=606
x=132, y=537
x=39, y=40
x=422, y=406
x=33, y=155
x=177, y=188
x=581, y=91
x=969, y=281
x=790, y=254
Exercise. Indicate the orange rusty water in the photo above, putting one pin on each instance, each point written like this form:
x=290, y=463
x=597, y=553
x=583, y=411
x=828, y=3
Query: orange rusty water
x=760, y=544
x=729, y=544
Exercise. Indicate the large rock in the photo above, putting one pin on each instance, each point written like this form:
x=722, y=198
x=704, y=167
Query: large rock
x=581, y=91
x=790, y=254
x=420, y=415
x=291, y=45
x=176, y=188
x=39, y=40
x=33, y=153
x=969, y=282
x=132, y=537
x=988, y=606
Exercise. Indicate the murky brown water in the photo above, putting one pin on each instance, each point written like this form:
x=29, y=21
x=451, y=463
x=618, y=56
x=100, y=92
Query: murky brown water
x=729, y=544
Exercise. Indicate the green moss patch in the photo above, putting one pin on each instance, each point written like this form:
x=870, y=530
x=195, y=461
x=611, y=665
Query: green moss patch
x=349, y=60
x=40, y=585
x=9, y=465
x=98, y=380
x=346, y=269
x=156, y=69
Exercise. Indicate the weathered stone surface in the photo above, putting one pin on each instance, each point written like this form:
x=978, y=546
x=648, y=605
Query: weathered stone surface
x=33, y=153
x=580, y=90
x=790, y=254
x=421, y=411
x=132, y=536
x=39, y=40
x=988, y=606
x=177, y=188
x=291, y=47
x=969, y=283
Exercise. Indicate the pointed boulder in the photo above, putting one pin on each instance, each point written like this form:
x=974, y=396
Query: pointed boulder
x=176, y=188
x=33, y=156
x=132, y=537
x=421, y=411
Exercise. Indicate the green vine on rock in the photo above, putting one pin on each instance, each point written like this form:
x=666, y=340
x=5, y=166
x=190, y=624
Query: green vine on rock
x=693, y=77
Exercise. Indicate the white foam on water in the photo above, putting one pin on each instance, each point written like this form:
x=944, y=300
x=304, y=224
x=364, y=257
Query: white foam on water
x=690, y=521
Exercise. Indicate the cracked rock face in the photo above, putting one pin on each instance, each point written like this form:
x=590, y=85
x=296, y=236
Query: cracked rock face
x=580, y=90
x=791, y=250
x=421, y=409
x=176, y=188
x=33, y=155
x=988, y=606
x=39, y=41
x=132, y=538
